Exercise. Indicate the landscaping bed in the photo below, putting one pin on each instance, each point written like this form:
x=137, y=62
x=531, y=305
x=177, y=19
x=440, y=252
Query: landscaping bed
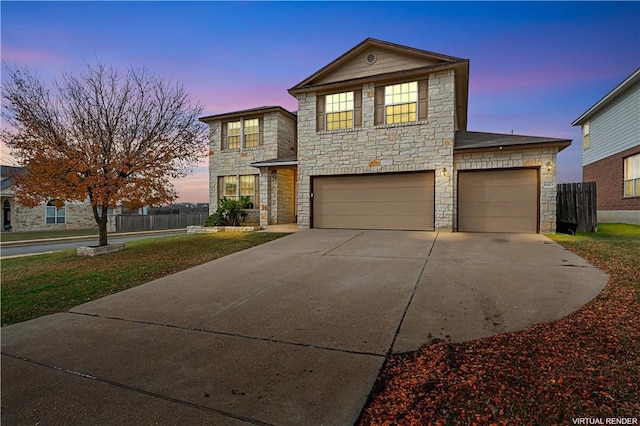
x=586, y=365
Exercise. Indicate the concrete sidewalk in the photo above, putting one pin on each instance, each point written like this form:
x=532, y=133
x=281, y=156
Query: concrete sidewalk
x=290, y=332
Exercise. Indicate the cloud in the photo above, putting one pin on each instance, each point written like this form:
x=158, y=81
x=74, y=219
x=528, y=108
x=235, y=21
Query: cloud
x=31, y=57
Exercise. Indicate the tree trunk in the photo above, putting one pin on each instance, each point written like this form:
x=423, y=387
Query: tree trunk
x=102, y=226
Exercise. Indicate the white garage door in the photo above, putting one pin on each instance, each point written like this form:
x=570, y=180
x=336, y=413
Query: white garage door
x=376, y=201
x=498, y=201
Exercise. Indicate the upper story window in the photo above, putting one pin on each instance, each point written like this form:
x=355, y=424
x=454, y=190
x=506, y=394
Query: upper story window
x=55, y=215
x=404, y=102
x=401, y=103
x=338, y=111
x=632, y=176
x=245, y=133
x=586, y=140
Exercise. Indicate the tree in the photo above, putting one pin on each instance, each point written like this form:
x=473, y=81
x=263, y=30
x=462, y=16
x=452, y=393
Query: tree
x=104, y=135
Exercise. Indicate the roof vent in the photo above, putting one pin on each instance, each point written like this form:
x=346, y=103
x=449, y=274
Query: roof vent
x=371, y=58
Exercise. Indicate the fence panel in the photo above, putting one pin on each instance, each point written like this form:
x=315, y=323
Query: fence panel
x=577, y=207
x=133, y=223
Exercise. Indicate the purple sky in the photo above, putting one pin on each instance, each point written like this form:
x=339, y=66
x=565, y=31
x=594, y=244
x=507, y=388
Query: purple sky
x=535, y=66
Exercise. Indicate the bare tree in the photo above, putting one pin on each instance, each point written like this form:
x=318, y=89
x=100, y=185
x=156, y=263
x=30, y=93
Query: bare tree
x=103, y=135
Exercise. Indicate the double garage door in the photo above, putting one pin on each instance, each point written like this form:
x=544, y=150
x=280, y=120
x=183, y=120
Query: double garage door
x=377, y=201
x=488, y=201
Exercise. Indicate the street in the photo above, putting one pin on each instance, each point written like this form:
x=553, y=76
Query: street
x=26, y=248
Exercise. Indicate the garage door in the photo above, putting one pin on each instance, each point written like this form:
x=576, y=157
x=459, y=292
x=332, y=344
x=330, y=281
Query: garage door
x=378, y=201
x=498, y=201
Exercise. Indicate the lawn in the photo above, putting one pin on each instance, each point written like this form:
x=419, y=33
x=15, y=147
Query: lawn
x=584, y=365
x=39, y=285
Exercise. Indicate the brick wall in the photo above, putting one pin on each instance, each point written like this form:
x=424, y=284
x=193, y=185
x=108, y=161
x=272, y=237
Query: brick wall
x=608, y=174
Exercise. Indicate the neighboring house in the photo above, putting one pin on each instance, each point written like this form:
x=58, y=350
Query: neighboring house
x=611, y=151
x=45, y=217
x=382, y=143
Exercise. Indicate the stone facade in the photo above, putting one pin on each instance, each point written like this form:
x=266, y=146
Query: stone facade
x=542, y=159
x=77, y=216
x=408, y=147
x=279, y=140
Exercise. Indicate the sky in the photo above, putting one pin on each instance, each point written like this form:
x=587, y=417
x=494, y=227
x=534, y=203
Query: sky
x=534, y=66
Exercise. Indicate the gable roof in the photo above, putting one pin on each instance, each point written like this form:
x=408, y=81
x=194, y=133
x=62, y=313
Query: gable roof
x=6, y=172
x=244, y=112
x=483, y=141
x=609, y=97
x=419, y=62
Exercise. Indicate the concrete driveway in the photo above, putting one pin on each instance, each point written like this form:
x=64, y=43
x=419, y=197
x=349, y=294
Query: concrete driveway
x=291, y=332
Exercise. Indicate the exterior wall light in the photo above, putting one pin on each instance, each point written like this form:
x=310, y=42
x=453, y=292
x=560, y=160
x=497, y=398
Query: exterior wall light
x=444, y=171
x=549, y=165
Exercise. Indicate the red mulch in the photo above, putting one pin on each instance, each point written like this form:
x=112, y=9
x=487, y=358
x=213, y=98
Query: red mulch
x=584, y=365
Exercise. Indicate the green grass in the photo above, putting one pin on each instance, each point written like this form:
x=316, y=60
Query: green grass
x=613, y=248
x=37, y=235
x=40, y=285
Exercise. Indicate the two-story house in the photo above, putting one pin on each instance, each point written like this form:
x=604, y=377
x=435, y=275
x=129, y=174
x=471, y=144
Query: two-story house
x=382, y=143
x=611, y=151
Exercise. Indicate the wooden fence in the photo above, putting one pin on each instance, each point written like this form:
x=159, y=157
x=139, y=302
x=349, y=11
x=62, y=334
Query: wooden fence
x=577, y=208
x=132, y=223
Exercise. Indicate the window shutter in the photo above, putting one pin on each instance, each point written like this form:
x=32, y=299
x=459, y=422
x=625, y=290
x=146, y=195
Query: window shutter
x=223, y=132
x=261, y=131
x=320, y=113
x=423, y=94
x=220, y=188
x=379, y=109
x=357, y=108
x=256, y=190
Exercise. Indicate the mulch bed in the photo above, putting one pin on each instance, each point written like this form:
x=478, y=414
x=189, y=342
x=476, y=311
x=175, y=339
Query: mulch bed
x=584, y=365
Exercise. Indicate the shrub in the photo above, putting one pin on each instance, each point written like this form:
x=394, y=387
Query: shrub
x=229, y=213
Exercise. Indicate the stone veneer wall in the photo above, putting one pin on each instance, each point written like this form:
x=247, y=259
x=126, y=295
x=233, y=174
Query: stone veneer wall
x=278, y=141
x=425, y=145
x=78, y=216
x=536, y=158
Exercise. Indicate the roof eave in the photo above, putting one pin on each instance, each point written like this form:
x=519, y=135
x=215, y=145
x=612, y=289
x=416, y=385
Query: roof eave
x=560, y=143
x=608, y=98
x=246, y=112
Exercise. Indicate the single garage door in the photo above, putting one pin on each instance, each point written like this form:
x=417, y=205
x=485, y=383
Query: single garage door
x=498, y=201
x=376, y=201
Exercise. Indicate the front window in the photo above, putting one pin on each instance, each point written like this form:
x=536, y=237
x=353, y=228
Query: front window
x=241, y=187
x=55, y=215
x=339, y=111
x=234, y=134
x=231, y=187
x=586, y=140
x=248, y=190
x=251, y=133
x=401, y=103
x=632, y=176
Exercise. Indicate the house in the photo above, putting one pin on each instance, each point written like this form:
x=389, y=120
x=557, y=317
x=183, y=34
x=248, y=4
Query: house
x=611, y=151
x=380, y=141
x=46, y=217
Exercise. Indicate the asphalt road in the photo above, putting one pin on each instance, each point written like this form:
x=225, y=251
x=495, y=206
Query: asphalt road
x=49, y=246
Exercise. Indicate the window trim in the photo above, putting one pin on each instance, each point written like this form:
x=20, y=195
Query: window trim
x=58, y=218
x=422, y=110
x=225, y=135
x=586, y=135
x=222, y=193
x=321, y=113
x=634, y=179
